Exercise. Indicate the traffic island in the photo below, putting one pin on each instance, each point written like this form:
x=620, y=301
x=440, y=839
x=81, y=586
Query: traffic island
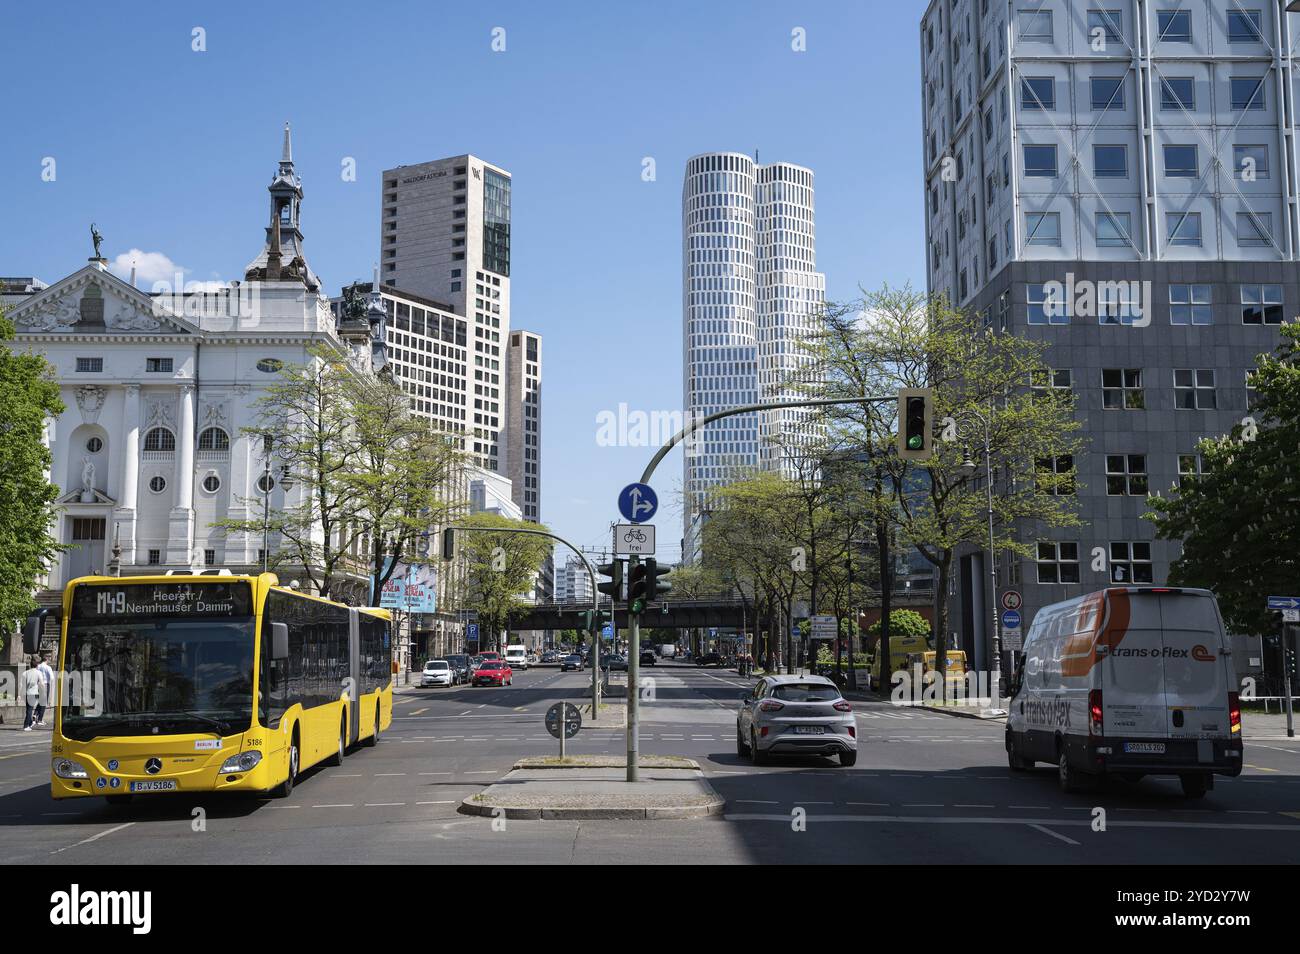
x=595, y=786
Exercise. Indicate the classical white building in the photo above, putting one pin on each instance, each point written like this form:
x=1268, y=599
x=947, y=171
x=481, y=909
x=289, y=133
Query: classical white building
x=158, y=387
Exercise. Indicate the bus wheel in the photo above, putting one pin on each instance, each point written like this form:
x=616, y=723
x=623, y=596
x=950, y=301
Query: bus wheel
x=337, y=758
x=374, y=739
x=285, y=788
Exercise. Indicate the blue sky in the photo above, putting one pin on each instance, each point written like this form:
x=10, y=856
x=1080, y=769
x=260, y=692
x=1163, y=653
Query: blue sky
x=169, y=151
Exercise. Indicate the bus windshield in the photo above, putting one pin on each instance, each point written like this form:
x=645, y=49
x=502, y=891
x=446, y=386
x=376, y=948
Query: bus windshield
x=174, y=658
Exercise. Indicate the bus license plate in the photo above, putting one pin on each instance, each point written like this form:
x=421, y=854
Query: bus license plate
x=808, y=730
x=1146, y=748
x=154, y=785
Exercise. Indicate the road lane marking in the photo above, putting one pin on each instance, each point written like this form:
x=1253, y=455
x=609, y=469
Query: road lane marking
x=387, y=774
x=448, y=801
x=86, y=841
x=340, y=805
x=383, y=804
x=418, y=711
x=1048, y=831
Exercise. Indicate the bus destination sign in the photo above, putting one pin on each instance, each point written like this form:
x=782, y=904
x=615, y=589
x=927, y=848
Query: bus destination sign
x=148, y=600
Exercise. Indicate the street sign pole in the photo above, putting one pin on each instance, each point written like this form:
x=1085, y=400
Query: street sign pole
x=1288, y=642
x=633, y=678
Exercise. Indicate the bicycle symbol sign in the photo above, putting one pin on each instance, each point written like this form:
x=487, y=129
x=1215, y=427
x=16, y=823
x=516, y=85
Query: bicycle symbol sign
x=634, y=539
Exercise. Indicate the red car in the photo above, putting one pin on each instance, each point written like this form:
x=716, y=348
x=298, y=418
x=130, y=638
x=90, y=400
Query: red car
x=493, y=672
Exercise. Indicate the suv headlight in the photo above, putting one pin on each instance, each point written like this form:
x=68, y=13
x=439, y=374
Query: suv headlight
x=67, y=768
x=243, y=762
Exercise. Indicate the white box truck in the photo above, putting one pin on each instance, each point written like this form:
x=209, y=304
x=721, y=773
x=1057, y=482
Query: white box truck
x=517, y=656
x=1127, y=682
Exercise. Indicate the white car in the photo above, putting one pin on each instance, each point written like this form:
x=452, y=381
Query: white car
x=1127, y=681
x=437, y=672
x=796, y=715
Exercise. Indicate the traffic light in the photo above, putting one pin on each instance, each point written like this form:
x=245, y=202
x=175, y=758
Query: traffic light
x=654, y=577
x=448, y=543
x=594, y=620
x=613, y=587
x=637, y=594
x=915, y=423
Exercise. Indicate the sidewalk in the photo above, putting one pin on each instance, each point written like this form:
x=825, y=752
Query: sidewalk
x=596, y=787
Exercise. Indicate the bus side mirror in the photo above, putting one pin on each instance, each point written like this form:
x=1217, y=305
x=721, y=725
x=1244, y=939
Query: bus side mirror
x=34, y=626
x=279, y=640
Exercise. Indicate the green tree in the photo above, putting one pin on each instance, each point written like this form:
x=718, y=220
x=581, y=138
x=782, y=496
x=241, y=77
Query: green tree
x=27, y=498
x=1239, y=521
x=500, y=567
x=902, y=622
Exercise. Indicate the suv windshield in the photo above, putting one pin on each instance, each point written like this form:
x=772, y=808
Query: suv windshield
x=168, y=676
x=806, y=692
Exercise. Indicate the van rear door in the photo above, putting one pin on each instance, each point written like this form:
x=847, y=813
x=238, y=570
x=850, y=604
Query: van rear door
x=1196, y=670
x=1133, y=679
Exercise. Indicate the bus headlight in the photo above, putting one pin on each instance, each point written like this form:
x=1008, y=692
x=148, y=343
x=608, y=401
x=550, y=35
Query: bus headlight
x=67, y=768
x=243, y=762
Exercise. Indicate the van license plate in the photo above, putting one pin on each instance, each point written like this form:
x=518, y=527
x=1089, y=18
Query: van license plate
x=808, y=730
x=154, y=785
x=1147, y=748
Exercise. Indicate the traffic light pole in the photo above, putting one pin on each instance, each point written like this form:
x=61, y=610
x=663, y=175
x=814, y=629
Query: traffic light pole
x=595, y=600
x=633, y=679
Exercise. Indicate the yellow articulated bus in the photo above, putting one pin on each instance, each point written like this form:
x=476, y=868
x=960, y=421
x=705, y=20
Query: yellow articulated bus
x=209, y=682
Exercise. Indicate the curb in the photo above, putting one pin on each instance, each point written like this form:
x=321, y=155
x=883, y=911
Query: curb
x=705, y=810
x=986, y=715
x=609, y=761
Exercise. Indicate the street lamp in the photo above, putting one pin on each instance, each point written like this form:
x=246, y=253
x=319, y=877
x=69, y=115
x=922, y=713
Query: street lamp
x=969, y=469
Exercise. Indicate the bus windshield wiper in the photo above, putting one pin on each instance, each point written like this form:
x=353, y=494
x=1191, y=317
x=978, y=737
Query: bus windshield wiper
x=223, y=728
x=97, y=725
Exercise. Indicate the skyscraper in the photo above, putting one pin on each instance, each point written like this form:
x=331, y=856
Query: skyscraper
x=750, y=292
x=1117, y=184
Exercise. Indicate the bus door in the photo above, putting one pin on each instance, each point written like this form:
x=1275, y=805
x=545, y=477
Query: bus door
x=354, y=676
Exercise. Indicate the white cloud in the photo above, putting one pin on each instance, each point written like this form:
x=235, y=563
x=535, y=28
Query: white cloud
x=149, y=267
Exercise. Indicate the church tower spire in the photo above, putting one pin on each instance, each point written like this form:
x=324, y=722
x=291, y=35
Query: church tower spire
x=282, y=257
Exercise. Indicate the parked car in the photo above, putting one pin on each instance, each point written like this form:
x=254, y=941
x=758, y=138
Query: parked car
x=796, y=715
x=493, y=672
x=648, y=658
x=437, y=672
x=460, y=668
x=572, y=662
x=614, y=663
x=708, y=659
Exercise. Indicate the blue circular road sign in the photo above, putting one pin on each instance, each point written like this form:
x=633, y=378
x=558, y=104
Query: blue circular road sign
x=638, y=502
x=1011, y=619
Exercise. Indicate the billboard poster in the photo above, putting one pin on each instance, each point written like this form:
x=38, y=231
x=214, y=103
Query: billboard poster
x=413, y=588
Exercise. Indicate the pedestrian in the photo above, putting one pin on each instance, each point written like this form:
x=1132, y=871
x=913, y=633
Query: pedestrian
x=32, y=684
x=47, y=696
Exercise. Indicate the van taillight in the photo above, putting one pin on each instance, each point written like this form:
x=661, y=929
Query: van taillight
x=1234, y=712
x=1094, y=712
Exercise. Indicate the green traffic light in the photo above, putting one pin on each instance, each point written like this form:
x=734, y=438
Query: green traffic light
x=637, y=607
x=915, y=441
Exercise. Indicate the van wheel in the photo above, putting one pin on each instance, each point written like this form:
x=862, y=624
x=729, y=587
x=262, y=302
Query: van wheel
x=1067, y=776
x=1194, y=786
x=1014, y=761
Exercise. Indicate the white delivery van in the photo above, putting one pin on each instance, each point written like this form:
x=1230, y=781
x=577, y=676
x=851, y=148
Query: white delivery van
x=517, y=656
x=1127, y=682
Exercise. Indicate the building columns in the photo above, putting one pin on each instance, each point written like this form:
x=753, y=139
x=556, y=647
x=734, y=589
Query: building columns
x=180, y=535
x=124, y=517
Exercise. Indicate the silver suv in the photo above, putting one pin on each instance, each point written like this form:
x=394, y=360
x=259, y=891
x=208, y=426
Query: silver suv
x=796, y=715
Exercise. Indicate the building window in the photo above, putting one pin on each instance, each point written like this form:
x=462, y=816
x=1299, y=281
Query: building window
x=1261, y=304
x=1110, y=162
x=1130, y=562
x=1035, y=24
x=1244, y=26
x=1250, y=162
x=1043, y=228
x=212, y=483
x=1247, y=92
x=90, y=364
x=214, y=439
x=1058, y=562
x=94, y=445
x=1121, y=389
x=159, y=439
x=1126, y=475
x=1040, y=161
x=1113, y=230
x=1184, y=228
x=157, y=484
x=158, y=365
x=1254, y=228
x=1107, y=92
x=1194, y=389
x=155, y=557
x=1177, y=92
x=1109, y=22
x=1189, y=468
x=1252, y=398
x=266, y=483
x=1046, y=306
x=1181, y=162
x=1190, y=305
x=1173, y=26
x=209, y=557
x=1054, y=476
x=1055, y=384
x=1037, y=92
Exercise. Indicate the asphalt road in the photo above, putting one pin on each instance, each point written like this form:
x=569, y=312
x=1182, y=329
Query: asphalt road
x=927, y=788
